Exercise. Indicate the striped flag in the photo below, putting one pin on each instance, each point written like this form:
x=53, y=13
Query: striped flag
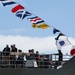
x=38, y=23
x=23, y=13
x=7, y=2
x=16, y=8
x=36, y=20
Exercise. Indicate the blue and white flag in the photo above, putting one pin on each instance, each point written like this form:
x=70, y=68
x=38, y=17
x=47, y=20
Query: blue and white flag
x=7, y=2
x=55, y=30
x=23, y=13
x=60, y=34
x=62, y=42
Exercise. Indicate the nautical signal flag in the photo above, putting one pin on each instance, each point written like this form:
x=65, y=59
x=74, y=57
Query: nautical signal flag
x=60, y=34
x=61, y=43
x=55, y=30
x=34, y=25
x=36, y=20
x=42, y=26
x=22, y=14
x=16, y=8
x=7, y=2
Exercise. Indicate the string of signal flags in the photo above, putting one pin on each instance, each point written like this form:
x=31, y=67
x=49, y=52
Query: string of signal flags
x=22, y=13
x=37, y=22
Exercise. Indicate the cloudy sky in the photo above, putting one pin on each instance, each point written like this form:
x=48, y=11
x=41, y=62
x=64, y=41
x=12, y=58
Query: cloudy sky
x=56, y=13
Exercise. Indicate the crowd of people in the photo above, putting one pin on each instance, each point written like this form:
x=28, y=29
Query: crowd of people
x=9, y=56
x=14, y=57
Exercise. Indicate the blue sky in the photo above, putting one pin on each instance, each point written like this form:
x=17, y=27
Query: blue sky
x=56, y=13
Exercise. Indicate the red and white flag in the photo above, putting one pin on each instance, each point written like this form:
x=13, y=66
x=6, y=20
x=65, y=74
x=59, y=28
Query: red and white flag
x=16, y=8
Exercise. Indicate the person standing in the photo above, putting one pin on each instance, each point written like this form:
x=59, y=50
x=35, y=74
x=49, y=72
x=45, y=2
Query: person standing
x=13, y=56
x=60, y=59
x=37, y=56
x=60, y=56
x=6, y=56
x=6, y=51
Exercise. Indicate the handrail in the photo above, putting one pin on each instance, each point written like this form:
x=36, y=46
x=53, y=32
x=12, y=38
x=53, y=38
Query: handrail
x=12, y=61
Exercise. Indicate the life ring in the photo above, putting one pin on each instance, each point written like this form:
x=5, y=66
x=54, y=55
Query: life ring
x=72, y=52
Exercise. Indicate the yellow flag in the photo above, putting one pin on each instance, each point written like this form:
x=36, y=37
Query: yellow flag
x=43, y=26
x=34, y=25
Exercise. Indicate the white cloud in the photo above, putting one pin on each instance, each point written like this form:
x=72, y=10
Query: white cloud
x=42, y=44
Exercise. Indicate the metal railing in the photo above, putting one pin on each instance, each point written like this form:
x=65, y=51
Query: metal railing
x=49, y=61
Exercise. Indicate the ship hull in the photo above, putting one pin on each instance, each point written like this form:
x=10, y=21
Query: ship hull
x=36, y=71
x=67, y=68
